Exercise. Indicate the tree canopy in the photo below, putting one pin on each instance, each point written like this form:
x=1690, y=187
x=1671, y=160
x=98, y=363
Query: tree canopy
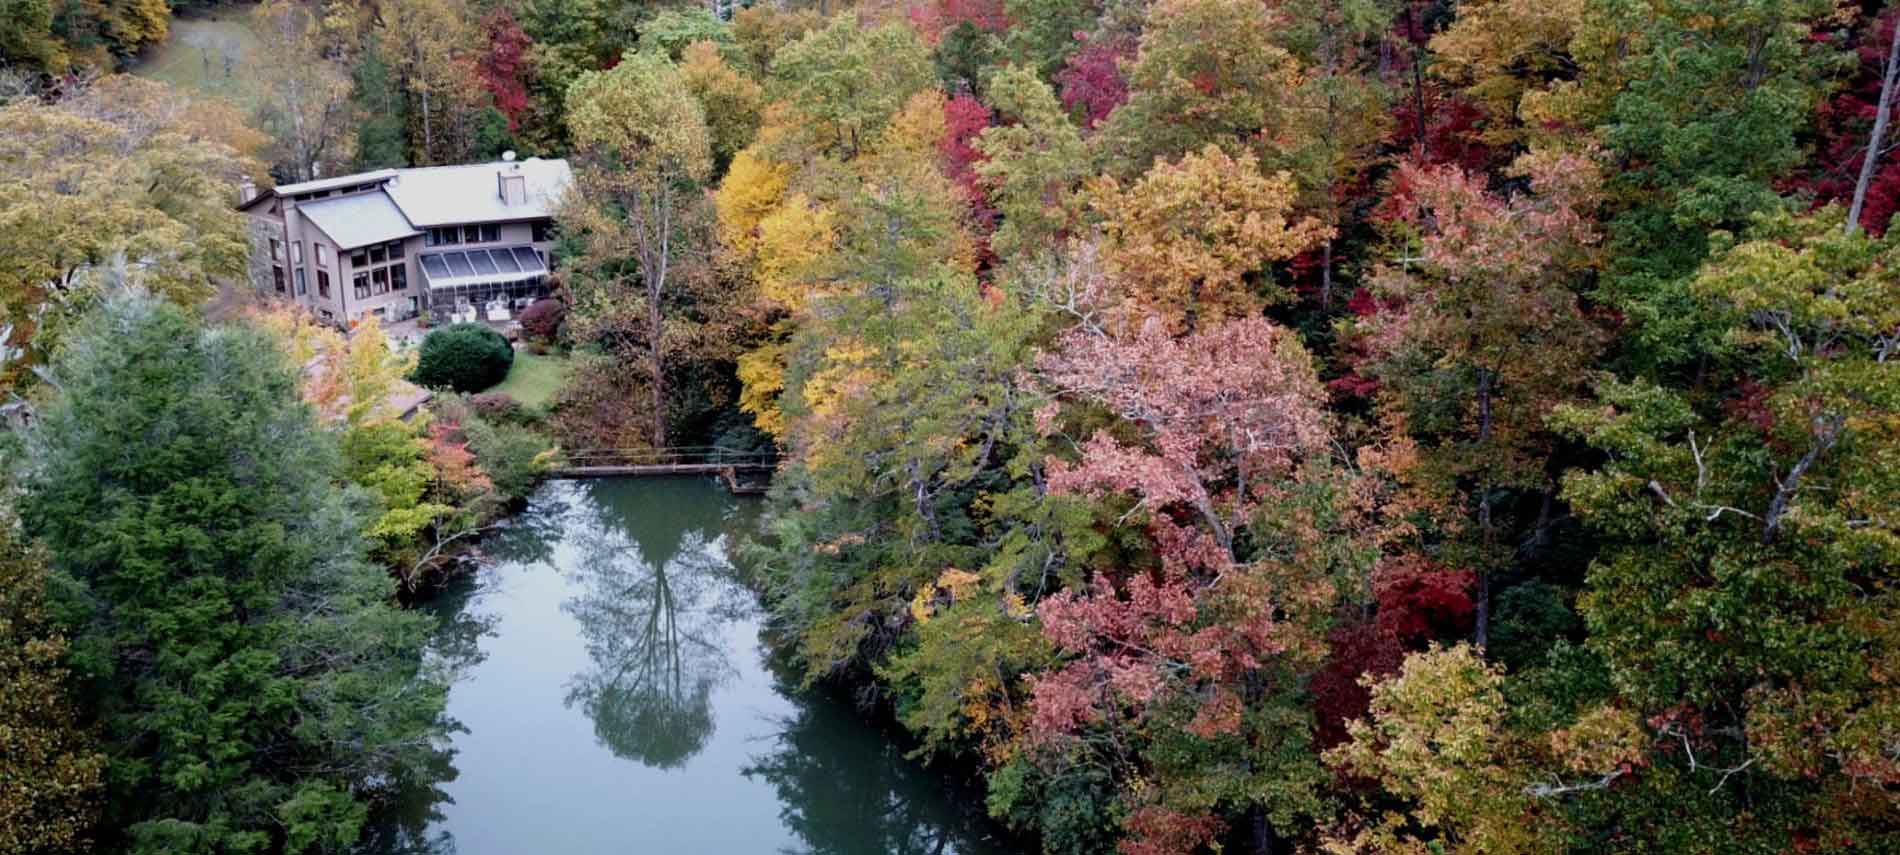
x=1350, y=426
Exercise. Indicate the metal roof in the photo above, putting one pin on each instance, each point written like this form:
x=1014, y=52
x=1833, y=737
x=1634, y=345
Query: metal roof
x=358, y=220
x=481, y=266
x=450, y=195
x=333, y=183
x=455, y=195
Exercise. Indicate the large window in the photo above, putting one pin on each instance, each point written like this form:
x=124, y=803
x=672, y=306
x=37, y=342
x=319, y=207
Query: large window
x=303, y=283
x=296, y=252
x=361, y=286
x=471, y=234
x=277, y=278
x=399, y=277
x=276, y=250
x=543, y=231
x=380, y=276
x=395, y=249
x=323, y=284
x=323, y=255
x=491, y=233
x=378, y=255
x=359, y=258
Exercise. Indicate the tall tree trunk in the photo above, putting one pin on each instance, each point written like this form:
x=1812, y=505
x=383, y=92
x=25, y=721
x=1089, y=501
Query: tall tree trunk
x=1871, y=160
x=658, y=357
x=428, y=131
x=656, y=261
x=1265, y=841
x=1326, y=277
x=1540, y=531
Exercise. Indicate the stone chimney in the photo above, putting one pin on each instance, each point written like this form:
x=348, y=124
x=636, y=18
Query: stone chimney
x=247, y=190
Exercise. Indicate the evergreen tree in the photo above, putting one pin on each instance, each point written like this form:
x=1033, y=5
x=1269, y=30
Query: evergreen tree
x=380, y=138
x=252, y=678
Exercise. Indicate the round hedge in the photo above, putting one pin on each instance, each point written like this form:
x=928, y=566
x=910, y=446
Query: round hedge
x=542, y=320
x=464, y=357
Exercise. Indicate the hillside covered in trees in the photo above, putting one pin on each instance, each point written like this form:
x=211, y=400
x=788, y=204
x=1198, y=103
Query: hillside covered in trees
x=1348, y=426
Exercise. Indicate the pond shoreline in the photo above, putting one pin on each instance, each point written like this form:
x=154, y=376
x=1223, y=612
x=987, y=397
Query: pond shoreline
x=554, y=618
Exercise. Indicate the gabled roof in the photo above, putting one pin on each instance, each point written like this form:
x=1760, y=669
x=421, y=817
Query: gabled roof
x=448, y=195
x=358, y=220
x=445, y=195
x=333, y=183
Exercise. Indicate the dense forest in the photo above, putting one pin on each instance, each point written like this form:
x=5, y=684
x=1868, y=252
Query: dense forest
x=1349, y=426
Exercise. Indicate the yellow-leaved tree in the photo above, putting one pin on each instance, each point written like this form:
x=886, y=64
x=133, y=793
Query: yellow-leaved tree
x=643, y=155
x=124, y=183
x=1188, y=243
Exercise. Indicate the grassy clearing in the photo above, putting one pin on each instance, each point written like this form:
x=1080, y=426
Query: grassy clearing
x=209, y=53
x=534, y=379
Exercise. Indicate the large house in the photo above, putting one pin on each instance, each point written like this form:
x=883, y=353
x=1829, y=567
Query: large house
x=458, y=242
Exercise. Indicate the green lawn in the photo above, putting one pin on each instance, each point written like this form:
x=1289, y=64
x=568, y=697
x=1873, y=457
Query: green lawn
x=534, y=379
x=209, y=53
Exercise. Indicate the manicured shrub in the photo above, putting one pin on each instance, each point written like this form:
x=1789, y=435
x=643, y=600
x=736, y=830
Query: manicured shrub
x=542, y=320
x=496, y=406
x=464, y=357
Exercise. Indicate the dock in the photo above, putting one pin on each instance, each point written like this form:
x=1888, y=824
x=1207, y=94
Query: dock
x=743, y=474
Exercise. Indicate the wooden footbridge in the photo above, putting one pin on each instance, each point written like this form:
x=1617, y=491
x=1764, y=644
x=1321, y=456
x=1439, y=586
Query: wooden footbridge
x=744, y=473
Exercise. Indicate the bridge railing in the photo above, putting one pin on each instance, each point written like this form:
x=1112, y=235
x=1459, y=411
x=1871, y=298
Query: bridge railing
x=674, y=456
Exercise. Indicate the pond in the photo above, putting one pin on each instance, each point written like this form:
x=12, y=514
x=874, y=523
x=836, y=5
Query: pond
x=616, y=696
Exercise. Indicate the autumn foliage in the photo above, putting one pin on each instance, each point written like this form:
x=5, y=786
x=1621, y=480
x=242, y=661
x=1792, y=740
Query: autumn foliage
x=1358, y=426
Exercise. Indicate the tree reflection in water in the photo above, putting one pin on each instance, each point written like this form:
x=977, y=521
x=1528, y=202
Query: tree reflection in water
x=846, y=789
x=406, y=813
x=656, y=597
x=656, y=611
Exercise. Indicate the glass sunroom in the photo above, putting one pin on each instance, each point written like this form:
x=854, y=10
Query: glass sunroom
x=503, y=281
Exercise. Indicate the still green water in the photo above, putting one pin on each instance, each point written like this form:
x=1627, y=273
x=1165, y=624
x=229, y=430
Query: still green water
x=616, y=696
